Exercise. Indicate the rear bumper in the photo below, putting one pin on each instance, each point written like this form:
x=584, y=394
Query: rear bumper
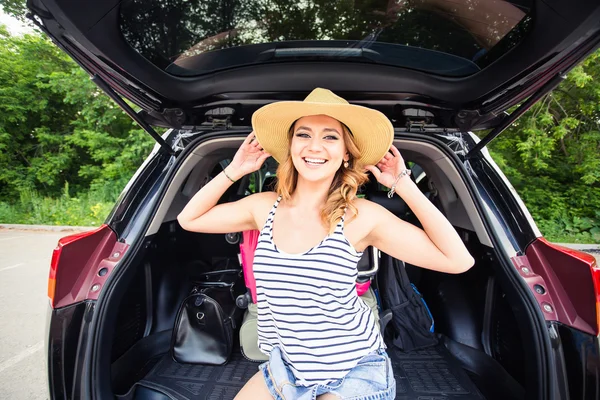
x=581, y=355
x=66, y=340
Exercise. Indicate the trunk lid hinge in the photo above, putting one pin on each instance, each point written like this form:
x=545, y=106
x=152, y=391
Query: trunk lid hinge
x=416, y=126
x=220, y=117
x=131, y=112
x=221, y=123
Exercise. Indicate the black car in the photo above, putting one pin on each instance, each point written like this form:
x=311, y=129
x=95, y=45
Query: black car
x=523, y=323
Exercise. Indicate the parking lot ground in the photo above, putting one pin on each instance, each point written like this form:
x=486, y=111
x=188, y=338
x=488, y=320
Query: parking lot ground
x=24, y=262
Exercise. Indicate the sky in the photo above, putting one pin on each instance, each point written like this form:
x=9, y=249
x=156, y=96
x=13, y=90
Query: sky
x=15, y=27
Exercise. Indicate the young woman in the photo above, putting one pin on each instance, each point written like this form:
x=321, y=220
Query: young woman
x=322, y=340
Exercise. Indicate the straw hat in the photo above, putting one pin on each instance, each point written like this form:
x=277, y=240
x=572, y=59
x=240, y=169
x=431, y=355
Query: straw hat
x=372, y=131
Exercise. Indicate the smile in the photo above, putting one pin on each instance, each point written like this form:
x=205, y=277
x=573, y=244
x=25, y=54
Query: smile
x=314, y=161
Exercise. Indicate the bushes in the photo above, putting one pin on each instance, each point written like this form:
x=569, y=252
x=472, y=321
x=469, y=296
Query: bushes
x=88, y=209
x=66, y=150
x=551, y=157
x=569, y=215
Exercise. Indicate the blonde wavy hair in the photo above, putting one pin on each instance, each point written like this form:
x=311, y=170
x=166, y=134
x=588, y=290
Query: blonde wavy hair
x=343, y=188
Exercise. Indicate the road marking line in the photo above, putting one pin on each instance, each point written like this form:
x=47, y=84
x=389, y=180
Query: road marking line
x=11, y=267
x=14, y=237
x=21, y=356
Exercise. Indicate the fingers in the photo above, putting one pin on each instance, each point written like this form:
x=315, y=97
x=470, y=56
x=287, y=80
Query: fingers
x=249, y=138
x=256, y=144
x=263, y=157
x=252, y=140
x=395, y=151
x=374, y=170
x=390, y=159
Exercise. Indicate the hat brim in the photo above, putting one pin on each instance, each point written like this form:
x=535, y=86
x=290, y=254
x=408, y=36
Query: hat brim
x=372, y=131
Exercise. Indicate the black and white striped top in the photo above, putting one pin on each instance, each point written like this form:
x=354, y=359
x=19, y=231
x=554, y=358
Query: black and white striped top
x=308, y=306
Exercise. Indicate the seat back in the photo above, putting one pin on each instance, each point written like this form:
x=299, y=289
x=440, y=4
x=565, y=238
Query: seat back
x=247, y=248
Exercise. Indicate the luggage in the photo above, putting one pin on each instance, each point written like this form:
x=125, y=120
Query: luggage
x=206, y=320
x=412, y=325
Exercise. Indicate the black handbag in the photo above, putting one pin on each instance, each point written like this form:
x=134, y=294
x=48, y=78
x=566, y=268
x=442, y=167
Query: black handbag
x=205, y=322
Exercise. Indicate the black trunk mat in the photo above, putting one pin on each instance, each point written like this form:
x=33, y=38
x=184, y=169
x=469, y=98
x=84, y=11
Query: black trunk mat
x=430, y=374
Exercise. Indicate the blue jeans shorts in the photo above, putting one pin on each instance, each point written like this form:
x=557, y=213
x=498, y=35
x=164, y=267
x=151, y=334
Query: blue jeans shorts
x=371, y=379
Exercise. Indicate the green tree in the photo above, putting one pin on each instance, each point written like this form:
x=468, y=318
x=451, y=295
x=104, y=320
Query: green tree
x=28, y=113
x=56, y=126
x=15, y=8
x=551, y=155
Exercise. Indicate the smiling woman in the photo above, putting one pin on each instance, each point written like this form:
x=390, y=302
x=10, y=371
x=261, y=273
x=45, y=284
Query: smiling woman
x=324, y=147
x=319, y=146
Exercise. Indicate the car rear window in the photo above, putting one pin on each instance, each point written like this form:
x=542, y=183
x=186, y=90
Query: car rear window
x=444, y=37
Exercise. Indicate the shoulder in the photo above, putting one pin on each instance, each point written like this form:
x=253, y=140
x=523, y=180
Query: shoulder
x=360, y=226
x=260, y=200
x=260, y=204
x=262, y=197
x=368, y=208
x=368, y=213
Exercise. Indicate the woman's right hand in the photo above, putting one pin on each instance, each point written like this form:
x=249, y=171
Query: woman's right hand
x=249, y=158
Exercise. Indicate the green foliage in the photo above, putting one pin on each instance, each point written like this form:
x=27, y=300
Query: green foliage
x=88, y=209
x=551, y=156
x=56, y=129
x=15, y=8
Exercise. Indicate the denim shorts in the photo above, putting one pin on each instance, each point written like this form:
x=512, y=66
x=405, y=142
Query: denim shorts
x=371, y=379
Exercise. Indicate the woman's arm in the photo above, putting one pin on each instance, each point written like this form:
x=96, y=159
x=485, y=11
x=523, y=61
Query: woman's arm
x=437, y=246
x=201, y=213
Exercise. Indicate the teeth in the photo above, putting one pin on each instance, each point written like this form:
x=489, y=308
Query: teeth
x=314, y=160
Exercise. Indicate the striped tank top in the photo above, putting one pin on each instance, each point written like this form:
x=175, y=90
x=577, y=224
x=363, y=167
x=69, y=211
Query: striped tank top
x=308, y=306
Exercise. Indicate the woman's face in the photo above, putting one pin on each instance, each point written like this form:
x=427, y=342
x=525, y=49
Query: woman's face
x=317, y=147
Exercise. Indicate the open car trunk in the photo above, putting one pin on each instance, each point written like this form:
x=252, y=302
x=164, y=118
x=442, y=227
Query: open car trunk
x=486, y=340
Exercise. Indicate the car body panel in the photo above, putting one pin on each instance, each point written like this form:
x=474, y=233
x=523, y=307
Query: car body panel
x=561, y=280
x=581, y=356
x=563, y=275
x=65, y=342
x=78, y=263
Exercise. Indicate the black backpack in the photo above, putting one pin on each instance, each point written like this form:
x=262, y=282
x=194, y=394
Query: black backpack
x=405, y=314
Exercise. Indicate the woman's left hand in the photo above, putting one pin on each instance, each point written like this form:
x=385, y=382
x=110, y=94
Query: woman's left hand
x=387, y=170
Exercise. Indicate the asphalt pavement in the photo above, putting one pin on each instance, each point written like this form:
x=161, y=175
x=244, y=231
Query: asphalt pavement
x=24, y=262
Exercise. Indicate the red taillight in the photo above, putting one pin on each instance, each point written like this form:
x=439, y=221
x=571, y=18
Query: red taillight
x=52, y=275
x=596, y=280
x=63, y=243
